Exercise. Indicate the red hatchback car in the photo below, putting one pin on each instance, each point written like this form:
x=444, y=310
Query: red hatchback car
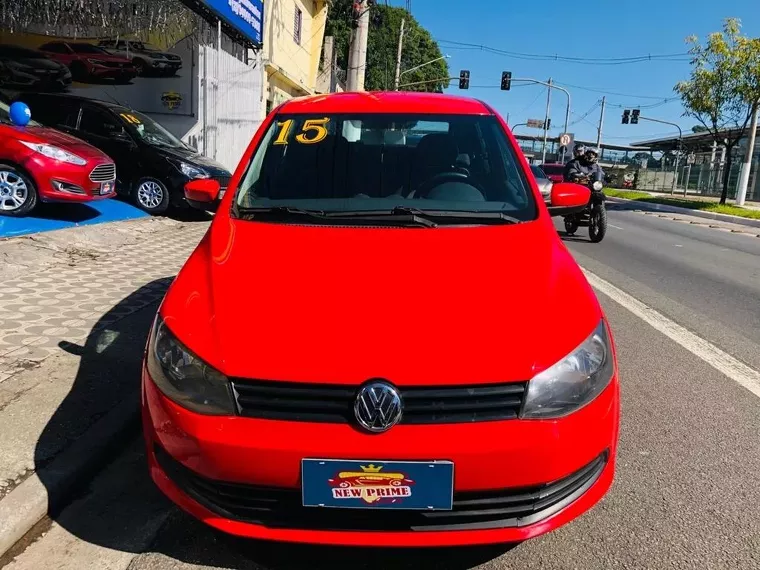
x=42, y=164
x=366, y=349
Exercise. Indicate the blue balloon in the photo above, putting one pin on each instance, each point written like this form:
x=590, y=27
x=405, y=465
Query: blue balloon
x=20, y=114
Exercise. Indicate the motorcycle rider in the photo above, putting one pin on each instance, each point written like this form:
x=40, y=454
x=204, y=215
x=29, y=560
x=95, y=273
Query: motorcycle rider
x=585, y=168
x=578, y=152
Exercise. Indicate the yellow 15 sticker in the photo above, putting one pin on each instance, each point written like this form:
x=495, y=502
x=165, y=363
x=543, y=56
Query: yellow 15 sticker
x=130, y=118
x=313, y=131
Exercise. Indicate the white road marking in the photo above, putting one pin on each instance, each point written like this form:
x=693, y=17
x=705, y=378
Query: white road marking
x=711, y=354
x=677, y=245
x=614, y=226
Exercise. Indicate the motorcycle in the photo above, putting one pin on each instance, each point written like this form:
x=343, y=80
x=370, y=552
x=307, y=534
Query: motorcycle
x=593, y=216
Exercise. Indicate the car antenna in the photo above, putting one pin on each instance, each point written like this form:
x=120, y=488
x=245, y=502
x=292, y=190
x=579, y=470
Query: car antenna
x=115, y=100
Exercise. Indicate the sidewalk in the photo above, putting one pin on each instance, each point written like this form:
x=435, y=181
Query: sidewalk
x=76, y=309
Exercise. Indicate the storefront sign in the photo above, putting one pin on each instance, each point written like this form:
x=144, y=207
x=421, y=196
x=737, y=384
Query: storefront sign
x=246, y=16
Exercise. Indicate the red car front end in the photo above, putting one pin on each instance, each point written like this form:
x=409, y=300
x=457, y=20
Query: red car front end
x=417, y=375
x=42, y=164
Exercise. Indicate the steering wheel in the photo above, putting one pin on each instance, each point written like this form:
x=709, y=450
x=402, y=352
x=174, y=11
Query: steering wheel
x=441, y=178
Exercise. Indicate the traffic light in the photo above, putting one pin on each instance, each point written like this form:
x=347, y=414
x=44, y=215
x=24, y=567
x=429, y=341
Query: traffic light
x=626, y=117
x=635, y=117
x=548, y=124
x=506, y=80
x=464, y=79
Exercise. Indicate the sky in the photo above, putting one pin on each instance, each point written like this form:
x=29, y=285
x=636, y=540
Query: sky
x=588, y=29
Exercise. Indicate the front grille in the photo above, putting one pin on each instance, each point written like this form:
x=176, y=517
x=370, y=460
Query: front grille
x=224, y=181
x=472, y=510
x=331, y=403
x=103, y=173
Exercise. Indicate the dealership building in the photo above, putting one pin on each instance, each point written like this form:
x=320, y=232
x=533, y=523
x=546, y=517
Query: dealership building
x=209, y=70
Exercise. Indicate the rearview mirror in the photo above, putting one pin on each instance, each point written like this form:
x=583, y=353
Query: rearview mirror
x=201, y=192
x=568, y=198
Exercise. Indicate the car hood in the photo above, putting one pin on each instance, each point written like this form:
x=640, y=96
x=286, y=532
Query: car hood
x=62, y=140
x=417, y=306
x=197, y=159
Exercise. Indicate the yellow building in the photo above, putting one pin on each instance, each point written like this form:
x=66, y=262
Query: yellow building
x=293, y=34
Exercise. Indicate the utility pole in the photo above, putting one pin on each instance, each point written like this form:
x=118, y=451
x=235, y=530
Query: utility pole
x=398, y=55
x=357, y=58
x=601, y=125
x=741, y=195
x=546, y=119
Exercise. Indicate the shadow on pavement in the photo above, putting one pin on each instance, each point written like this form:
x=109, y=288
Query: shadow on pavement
x=76, y=213
x=120, y=508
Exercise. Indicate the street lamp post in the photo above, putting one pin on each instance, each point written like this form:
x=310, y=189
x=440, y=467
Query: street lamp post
x=398, y=77
x=552, y=86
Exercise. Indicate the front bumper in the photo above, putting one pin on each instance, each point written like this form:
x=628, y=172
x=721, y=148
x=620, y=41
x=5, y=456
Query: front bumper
x=527, y=477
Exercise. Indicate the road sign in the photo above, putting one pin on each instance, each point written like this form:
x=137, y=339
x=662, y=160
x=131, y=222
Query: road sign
x=535, y=123
x=565, y=139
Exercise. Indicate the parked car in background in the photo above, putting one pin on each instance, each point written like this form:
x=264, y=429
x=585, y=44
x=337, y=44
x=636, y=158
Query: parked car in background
x=544, y=182
x=148, y=60
x=555, y=171
x=42, y=164
x=22, y=68
x=153, y=164
x=88, y=62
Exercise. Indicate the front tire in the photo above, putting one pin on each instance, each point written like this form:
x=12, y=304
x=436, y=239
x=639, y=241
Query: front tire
x=151, y=195
x=571, y=225
x=597, y=226
x=18, y=194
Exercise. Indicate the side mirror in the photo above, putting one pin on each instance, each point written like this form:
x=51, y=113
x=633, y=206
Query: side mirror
x=201, y=192
x=568, y=198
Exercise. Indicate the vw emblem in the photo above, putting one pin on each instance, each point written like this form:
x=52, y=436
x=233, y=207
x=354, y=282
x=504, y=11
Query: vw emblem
x=378, y=407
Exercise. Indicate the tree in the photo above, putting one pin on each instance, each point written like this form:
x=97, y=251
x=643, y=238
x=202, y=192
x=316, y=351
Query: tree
x=724, y=87
x=384, y=25
x=699, y=129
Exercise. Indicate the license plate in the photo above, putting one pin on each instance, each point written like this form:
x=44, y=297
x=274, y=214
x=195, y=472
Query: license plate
x=410, y=485
x=106, y=188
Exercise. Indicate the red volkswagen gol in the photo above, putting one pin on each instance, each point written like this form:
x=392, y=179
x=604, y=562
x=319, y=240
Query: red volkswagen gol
x=368, y=346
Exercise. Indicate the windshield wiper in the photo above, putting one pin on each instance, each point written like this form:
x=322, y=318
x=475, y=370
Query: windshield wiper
x=366, y=217
x=436, y=216
x=277, y=212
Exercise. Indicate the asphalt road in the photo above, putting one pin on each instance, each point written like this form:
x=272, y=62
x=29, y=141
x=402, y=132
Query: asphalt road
x=686, y=491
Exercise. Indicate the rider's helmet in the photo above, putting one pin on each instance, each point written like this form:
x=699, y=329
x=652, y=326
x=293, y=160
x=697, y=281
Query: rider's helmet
x=579, y=150
x=592, y=155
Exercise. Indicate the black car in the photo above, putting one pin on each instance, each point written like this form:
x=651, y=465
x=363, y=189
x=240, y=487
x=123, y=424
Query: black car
x=152, y=165
x=22, y=68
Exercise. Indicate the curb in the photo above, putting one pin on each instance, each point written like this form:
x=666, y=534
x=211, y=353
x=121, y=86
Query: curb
x=71, y=470
x=751, y=222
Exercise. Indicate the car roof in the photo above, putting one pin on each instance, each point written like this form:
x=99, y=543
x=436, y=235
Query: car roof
x=386, y=102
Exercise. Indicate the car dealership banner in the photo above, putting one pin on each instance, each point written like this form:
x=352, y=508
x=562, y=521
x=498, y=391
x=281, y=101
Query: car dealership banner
x=246, y=16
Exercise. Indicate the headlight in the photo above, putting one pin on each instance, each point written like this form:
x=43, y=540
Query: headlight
x=598, y=186
x=184, y=378
x=574, y=381
x=55, y=153
x=192, y=171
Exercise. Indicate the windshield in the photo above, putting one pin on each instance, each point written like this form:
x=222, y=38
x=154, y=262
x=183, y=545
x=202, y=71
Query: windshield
x=346, y=163
x=149, y=131
x=537, y=172
x=6, y=118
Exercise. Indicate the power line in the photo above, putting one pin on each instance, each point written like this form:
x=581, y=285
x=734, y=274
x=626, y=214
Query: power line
x=586, y=114
x=580, y=60
x=608, y=92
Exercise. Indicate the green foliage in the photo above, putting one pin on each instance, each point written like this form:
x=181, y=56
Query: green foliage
x=724, y=87
x=384, y=25
x=704, y=205
x=699, y=129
